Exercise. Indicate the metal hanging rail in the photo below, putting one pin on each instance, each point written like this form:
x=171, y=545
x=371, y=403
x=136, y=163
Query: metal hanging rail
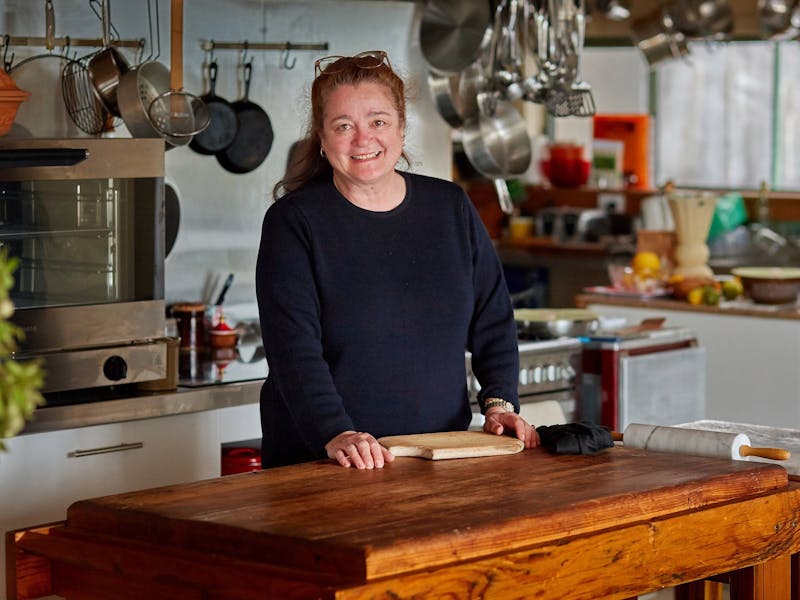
x=66, y=42
x=210, y=45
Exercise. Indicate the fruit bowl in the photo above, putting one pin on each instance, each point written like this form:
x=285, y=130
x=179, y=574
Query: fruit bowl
x=770, y=285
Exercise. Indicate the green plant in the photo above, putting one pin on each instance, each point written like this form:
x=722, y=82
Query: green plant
x=20, y=381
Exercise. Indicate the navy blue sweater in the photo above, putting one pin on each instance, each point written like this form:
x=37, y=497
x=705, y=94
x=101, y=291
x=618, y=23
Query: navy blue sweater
x=366, y=315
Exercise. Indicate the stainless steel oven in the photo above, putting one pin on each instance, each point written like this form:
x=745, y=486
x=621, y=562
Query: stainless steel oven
x=549, y=371
x=85, y=218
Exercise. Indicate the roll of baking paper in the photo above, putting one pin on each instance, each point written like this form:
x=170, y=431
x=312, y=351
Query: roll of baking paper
x=686, y=441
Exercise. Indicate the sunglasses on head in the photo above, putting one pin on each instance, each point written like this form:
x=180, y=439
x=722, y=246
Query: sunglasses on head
x=330, y=65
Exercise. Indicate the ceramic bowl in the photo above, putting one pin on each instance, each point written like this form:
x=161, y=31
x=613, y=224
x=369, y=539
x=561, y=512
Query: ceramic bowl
x=770, y=285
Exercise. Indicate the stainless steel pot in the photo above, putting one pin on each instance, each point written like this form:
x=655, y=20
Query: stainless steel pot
x=549, y=323
x=452, y=33
x=497, y=144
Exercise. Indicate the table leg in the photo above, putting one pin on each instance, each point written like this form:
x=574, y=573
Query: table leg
x=699, y=590
x=771, y=580
x=795, y=576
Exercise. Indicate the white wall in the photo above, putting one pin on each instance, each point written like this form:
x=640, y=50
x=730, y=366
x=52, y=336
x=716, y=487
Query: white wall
x=221, y=212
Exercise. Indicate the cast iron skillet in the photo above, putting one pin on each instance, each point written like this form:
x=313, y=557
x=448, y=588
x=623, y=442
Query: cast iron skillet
x=254, y=136
x=221, y=130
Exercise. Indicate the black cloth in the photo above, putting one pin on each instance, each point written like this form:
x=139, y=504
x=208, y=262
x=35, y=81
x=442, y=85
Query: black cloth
x=366, y=316
x=582, y=437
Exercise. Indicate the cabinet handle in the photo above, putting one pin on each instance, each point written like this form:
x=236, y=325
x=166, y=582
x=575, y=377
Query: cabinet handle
x=105, y=449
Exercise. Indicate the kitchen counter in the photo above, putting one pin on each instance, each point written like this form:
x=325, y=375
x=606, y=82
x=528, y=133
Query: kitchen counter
x=206, y=382
x=743, y=308
x=612, y=525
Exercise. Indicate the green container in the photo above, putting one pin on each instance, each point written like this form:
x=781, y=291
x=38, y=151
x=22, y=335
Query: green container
x=729, y=213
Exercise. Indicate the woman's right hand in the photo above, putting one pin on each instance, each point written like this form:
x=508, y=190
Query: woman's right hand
x=359, y=450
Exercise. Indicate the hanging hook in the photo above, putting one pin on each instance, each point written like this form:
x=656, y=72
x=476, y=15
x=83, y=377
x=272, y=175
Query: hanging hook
x=245, y=47
x=285, y=58
x=7, y=62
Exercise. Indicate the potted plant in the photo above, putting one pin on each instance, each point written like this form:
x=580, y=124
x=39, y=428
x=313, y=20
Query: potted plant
x=20, y=381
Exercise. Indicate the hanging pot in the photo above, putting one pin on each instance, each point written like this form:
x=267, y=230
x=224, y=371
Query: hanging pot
x=453, y=32
x=254, y=135
x=222, y=127
x=497, y=144
x=137, y=90
x=107, y=67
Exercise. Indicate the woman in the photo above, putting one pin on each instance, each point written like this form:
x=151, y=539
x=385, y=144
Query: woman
x=371, y=283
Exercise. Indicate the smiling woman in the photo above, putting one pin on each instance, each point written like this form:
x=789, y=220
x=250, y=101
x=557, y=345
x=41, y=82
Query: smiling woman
x=371, y=282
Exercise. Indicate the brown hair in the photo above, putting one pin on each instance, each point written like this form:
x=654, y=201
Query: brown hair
x=305, y=162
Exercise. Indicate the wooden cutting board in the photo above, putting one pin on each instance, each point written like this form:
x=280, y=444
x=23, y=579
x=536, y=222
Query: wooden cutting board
x=451, y=444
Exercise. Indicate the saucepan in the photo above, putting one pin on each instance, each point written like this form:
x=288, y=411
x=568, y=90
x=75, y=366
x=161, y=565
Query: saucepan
x=497, y=144
x=550, y=323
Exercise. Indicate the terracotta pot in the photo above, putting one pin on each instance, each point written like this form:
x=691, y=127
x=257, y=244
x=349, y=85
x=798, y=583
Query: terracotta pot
x=10, y=99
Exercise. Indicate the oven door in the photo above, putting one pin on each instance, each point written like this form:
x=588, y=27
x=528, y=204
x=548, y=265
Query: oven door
x=84, y=219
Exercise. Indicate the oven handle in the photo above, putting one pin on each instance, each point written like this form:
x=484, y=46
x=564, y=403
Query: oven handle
x=42, y=157
x=106, y=449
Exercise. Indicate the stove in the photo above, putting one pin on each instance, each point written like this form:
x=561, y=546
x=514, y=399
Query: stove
x=549, y=370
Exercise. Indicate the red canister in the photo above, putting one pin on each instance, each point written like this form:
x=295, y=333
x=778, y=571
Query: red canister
x=240, y=460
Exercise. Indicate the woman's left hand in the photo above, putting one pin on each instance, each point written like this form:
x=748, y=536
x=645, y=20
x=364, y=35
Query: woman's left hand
x=510, y=423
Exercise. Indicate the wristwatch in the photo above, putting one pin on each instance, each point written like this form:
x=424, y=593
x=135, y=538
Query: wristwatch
x=498, y=402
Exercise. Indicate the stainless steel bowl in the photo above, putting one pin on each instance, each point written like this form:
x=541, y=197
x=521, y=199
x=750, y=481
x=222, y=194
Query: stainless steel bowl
x=551, y=323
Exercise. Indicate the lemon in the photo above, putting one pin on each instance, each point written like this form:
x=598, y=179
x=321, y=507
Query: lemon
x=732, y=289
x=710, y=295
x=695, y=296
x=646, y=264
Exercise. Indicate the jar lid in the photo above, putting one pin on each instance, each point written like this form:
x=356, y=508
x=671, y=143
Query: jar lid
x=190, y=307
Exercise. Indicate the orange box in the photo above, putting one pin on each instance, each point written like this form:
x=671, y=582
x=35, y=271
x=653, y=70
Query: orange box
x=634, y=132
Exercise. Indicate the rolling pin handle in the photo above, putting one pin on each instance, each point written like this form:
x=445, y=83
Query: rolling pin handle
x=616, y=436
x=771, y=453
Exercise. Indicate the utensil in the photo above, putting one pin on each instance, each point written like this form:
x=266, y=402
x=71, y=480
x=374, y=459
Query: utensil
x=106, y=67
x=222, y=126
x=225, y=287
x=452, y=33
x=496, y=142
x=549, y=323
x=175, y=113
x=717, y=444
x=254, y=134
x=451, y=444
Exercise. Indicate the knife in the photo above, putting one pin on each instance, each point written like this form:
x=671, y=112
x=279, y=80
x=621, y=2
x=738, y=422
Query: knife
x=225, y=287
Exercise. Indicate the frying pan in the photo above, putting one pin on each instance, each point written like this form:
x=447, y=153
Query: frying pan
x=254, y=135
x=222, y=127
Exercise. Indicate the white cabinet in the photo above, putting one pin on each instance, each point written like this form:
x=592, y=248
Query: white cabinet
x=753, y=364
x=239, y=423
x=42, y=474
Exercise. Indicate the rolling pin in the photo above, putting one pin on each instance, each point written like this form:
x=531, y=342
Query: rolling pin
x=735, y=446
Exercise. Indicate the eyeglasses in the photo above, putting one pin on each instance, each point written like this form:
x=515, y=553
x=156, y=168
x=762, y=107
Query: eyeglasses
x=371, y=59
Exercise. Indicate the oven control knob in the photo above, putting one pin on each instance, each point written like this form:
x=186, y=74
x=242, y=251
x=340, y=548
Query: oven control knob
x=115, y=368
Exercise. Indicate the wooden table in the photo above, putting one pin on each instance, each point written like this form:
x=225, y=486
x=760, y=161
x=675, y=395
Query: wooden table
x=530, y=525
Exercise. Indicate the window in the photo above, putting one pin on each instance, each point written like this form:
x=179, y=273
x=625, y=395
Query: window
x=727, y=115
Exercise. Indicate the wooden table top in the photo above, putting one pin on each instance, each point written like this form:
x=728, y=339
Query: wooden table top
x=416, y=514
